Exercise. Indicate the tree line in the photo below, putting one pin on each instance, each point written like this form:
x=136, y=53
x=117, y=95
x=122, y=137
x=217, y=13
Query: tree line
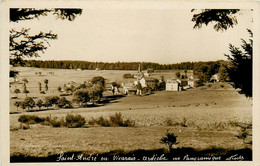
x=86, y=65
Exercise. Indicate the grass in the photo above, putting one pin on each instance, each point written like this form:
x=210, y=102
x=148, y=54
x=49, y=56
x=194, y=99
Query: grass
x=202, y=119
x=43, y=141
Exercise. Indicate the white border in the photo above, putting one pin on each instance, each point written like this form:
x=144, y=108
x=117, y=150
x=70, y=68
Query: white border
x=125, y=4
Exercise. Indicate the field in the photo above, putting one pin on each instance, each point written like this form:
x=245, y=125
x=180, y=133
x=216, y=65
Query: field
x=205, y=118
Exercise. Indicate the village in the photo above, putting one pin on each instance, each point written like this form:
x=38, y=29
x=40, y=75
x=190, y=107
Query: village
x=138, y=83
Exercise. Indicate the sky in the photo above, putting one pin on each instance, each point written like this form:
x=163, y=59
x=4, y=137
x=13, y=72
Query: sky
x=163, y=36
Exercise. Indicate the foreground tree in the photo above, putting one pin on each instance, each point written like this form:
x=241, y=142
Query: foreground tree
x=22, y=44
x=241, y=71
x=223, y=72
x=223, y=18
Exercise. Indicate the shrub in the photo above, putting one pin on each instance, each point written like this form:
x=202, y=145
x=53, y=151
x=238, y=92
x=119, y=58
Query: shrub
x=54, y=122
x=169, y=139
x=73, y=121
x=169, y=122
x=182, y=123
x=128, y=75
x=116, y=120
x=113, y=121
x=209, y=85
x=70, y=121
x=222, y=86
x=30, y=119
x=24, y=126
x=100, y=121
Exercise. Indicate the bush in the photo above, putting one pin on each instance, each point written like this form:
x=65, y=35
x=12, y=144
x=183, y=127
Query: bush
x=222, y=86
x=73, y=121
x=100, y=121
x=128, y=75
x=24, y=126
x=116, y=120
x=113, y=121
x=30, y=119
x=169, y=122
x=70, y=121
x=209, y=85
x=56, y=123
x=182, y=123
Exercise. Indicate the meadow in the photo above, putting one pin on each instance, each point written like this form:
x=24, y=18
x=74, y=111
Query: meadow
x=203, y=118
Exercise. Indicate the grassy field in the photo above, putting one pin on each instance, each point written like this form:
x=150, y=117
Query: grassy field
x=210, y=114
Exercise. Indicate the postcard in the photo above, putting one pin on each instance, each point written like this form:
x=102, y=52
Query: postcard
x=129, y=82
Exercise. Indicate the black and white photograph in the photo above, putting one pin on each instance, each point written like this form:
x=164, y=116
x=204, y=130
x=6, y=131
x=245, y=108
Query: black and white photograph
x=129, y=81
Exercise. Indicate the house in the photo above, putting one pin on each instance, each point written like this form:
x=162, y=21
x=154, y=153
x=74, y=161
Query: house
x=146, y=74
x=191, y=83
x=147, y=82
x=79, y=69
x=183, y=82
x=172, y=85
x=214, y=78
x=129, y=88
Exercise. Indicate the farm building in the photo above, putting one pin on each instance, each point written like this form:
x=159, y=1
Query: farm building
x=172, y=85
x=183, y=82
x=147, y=82
x=129, y=88
x=191, y=83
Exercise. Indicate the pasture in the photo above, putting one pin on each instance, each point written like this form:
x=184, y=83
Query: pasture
x=202, y=118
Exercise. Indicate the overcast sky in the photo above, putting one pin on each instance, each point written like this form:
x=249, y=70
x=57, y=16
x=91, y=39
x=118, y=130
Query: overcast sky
x=130, y=35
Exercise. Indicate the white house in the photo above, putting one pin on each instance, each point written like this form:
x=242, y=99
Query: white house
x=191, y=83
x=214, y=78
x=172, y=85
